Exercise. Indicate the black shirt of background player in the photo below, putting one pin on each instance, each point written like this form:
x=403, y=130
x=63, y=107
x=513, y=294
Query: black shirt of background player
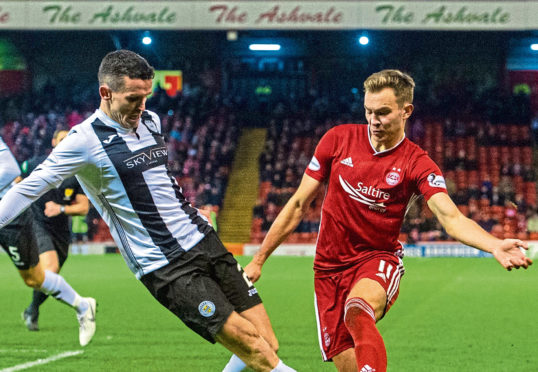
x=65, y=194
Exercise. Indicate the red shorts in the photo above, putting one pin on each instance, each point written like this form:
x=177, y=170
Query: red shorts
x=332, y=289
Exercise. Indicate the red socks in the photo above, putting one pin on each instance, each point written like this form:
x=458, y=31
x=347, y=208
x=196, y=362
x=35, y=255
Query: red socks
x=369, y=346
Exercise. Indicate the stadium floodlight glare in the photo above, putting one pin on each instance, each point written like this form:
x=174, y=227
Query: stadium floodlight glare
x=146, y=40
x=534, y=46
x=363, y=40
x=264, y=47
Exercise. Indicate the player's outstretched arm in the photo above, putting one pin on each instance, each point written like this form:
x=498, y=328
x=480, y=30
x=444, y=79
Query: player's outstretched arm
x=80, y=207
x=507, y=252
x=66, y=158
x=284, y=224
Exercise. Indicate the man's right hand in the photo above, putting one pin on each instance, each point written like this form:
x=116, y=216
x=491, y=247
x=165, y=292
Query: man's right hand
x=253, y=270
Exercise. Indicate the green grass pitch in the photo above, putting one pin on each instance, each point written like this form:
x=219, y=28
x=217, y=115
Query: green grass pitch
x=452, y=315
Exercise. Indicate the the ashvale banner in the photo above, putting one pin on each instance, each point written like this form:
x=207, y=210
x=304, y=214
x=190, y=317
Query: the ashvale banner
x=237, y=15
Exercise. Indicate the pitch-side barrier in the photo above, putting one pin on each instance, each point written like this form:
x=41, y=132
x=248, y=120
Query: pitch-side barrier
x=421, y=249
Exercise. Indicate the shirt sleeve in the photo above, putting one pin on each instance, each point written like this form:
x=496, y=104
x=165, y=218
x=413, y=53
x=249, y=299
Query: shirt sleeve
x=428, y=177
x=9, y=169
x=64, y=161
x=320, y=165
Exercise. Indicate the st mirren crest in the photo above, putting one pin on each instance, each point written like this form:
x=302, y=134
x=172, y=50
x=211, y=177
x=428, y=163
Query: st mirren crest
x=393, y=177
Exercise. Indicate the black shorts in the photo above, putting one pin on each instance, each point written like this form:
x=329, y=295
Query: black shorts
x=203, y=287
x=48, y=241
x=19, y=241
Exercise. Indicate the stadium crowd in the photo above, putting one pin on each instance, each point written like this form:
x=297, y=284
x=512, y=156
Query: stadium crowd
x=488, y=164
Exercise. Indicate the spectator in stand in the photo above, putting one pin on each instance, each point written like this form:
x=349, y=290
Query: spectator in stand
x=485, y=221
x=258, y=211
x=520, y=203
x=506, y=188
x=497, y=198
x=498, y=231
x=461, y=197
x=486, y=188
x=268, y=221
x=528, y=173
x=510, y=210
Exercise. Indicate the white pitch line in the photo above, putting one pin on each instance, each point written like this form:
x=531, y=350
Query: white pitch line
x=38, y=362
x=23, y=351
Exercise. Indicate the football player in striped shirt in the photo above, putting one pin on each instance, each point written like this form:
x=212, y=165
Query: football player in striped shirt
x=119, y=157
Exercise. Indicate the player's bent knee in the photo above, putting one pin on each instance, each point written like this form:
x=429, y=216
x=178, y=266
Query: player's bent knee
x=372, y=293
x=33, y=277
x=354, y=307
x=32, y=282
x=54, y=267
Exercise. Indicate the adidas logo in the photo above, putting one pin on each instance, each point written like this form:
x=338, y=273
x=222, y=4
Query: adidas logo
x=382, y=276
x=367, y=368
x=349, y=163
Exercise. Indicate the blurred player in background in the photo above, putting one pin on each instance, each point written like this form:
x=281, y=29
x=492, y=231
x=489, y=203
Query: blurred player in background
x=372, y=173
x=20, y=240
x=120, y=159
x=51, y=225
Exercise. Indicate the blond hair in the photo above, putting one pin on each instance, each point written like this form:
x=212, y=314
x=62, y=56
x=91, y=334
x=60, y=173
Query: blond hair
x=402, y=84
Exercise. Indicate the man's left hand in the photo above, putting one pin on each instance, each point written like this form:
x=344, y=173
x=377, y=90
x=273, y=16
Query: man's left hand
x=510, y=254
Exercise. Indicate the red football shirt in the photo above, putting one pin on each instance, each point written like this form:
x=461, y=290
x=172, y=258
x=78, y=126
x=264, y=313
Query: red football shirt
x=367, y=194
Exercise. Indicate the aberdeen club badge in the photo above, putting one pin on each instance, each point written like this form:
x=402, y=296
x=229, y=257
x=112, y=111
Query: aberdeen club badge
x=393, y=177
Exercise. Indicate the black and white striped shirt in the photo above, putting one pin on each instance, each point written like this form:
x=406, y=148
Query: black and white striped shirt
x=125, y=175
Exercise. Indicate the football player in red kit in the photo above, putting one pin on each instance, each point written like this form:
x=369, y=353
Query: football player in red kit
x=372, y=172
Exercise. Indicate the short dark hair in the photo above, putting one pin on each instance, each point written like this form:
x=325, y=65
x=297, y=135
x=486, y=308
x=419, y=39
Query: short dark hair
x=115, y=65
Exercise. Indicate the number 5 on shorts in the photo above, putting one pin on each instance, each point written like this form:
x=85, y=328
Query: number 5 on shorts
x=14, y=253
